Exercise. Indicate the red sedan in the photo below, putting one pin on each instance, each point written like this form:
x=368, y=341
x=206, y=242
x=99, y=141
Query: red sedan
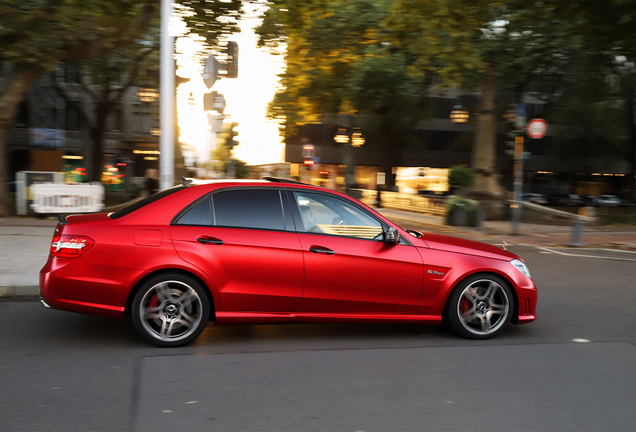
x=275, y=251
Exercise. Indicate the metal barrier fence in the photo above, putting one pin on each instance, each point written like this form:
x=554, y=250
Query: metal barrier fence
x=55, y=198
x=625, y=214
x=435, y=206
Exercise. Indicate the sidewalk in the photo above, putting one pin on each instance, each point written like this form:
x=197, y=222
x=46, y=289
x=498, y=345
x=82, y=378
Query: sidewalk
x=619, y=237
x=25, y=242
x=24, y=249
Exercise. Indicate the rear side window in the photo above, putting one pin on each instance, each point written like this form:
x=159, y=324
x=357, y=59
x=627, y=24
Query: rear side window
x=145, y=201
x=261, y=209
x=199, y=214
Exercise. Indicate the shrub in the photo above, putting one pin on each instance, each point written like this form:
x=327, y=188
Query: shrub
x=460, y=177
x=459, y=204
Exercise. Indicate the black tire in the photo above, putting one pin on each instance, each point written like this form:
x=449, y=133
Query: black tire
x=480, y=306
x=170, y=310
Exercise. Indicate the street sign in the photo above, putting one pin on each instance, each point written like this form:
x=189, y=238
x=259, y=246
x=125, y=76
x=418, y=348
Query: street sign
x=537, y=128
x=210, y=71
x=520, y=115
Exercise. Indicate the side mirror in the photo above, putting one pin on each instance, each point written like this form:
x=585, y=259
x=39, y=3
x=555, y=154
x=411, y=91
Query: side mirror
x=391, y=236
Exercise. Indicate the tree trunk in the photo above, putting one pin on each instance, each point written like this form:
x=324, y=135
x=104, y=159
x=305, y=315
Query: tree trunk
x=97, y=139
x=484, y=154
x=17, y=87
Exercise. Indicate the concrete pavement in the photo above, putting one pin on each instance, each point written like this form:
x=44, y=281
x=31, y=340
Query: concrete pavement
x=25, y=242
x=24, y=248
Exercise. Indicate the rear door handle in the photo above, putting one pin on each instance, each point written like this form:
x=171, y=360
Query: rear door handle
x=321, y=250
x=209, y=240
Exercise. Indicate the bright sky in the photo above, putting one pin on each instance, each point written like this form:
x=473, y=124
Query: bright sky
x=246, y=96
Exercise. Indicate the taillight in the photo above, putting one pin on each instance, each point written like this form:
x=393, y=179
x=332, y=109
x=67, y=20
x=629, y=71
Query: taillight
x=70, y=246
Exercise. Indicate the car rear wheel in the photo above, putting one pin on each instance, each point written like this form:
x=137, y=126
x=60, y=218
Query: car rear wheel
x=480, y=307
x=170, y=310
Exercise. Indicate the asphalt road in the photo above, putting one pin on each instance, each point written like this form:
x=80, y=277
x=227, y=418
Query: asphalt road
x=64, y=372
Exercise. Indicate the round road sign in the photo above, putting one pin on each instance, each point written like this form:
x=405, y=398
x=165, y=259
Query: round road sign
x=537, y=128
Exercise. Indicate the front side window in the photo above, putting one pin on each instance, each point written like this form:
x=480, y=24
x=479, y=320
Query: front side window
x=260, y=209
x=328, y=215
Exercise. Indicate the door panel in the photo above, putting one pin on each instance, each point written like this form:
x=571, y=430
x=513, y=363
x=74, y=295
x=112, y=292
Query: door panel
x=253, y=270
x=360, y=276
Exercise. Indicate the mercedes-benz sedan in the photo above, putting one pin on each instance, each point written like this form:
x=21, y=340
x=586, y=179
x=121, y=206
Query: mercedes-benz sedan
x=275, y=251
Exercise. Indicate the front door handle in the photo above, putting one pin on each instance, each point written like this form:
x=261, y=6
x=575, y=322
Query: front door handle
x=209, y=240
x=321, y=250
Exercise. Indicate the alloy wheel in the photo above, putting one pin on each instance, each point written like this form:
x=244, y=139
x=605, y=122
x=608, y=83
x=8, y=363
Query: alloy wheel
x=483, y=307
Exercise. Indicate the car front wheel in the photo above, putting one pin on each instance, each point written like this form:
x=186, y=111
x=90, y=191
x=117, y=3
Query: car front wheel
x=170, y=310
x=480, y=307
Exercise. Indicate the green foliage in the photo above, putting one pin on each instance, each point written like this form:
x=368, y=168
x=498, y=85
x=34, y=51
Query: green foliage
x=460, y=177
x=445, y=36
x=43, y=32
x=339, y=61
x=469, y=207
x=241, y=169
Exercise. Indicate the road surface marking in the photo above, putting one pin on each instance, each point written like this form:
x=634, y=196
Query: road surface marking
x=582, y=255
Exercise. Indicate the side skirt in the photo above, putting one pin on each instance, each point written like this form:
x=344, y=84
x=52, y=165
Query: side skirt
x=298, y=317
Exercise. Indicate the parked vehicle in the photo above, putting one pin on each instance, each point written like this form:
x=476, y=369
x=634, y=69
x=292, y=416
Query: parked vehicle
x=535, y=198
x=557, y=199
x=275, y=251
x=573, y=200
x=590, y=200
x=609, y=201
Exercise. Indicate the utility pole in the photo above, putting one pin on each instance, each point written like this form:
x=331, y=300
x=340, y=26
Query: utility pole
x=520, y=123
x=518, y=183
x=167, y=93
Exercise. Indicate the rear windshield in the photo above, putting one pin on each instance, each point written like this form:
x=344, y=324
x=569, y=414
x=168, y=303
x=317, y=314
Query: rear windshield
x=145, y=201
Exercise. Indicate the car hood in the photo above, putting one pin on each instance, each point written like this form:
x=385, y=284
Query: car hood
x=468, y=247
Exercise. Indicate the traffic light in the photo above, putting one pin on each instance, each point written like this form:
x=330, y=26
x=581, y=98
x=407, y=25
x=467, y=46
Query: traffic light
x=510, y=142
x=514, y=142
x=230, y=142
x=231, y=65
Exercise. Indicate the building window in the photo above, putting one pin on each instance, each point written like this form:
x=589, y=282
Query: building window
x=116, y=119
x=73, y=119
x=22, y=116
x=71, y=73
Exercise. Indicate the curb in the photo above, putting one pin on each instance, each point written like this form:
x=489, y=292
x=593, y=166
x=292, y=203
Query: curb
x=19, y=290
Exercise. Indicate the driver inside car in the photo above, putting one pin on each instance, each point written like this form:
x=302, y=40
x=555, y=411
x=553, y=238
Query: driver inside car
x=308, y=220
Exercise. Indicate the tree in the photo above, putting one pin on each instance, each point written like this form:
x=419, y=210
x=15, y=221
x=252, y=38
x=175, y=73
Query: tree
x=105, y=81
x=570, y=54
x=222, y=157
x=339, y=62
x=447, y=37
x=37, y=34
x=460, y=177
x=605, y=29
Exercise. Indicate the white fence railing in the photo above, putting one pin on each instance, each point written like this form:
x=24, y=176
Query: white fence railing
x=400, y=201
x=67, y=198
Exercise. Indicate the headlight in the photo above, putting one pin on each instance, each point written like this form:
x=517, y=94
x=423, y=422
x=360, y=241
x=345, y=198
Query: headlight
x=521, y=266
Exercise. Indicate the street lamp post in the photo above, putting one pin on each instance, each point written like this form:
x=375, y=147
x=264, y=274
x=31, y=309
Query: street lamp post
x=350, y=137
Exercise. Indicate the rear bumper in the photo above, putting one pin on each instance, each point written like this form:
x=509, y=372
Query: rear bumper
x=78, y=286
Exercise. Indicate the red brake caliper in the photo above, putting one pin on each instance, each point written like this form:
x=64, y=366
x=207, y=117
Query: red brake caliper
x=464, y=305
